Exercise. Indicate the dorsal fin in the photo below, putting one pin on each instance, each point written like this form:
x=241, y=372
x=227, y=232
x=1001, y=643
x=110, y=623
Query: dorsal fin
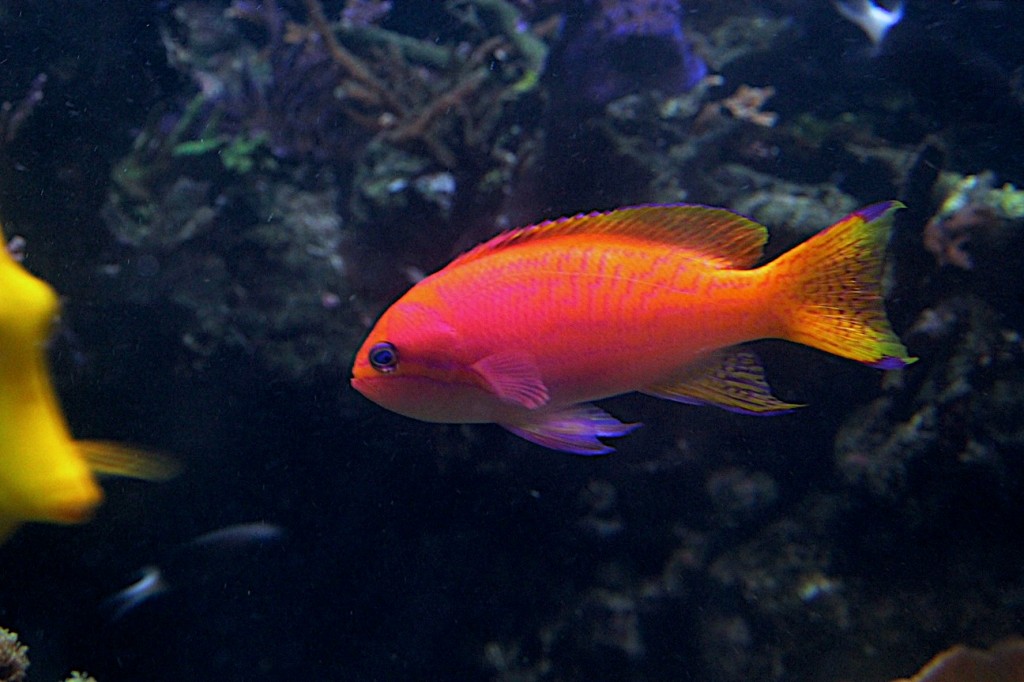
x=725, y=239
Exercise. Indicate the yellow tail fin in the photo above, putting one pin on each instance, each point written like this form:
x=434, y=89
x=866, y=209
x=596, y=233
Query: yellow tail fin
x=116, y=459
x=831, y=290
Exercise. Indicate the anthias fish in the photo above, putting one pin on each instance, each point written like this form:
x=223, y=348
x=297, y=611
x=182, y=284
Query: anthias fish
x=528, y=328
x=45, y=475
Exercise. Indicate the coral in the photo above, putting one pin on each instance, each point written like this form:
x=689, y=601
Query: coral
x=1003, y=662
x=729, y=151
x=282, y=92
x=681, y=140
x=186, y=210
x=264, y=285
x=975, y=213
x=746, y=105
x=606, y=622
x=322, y=90
x=402, y=89
x=14, y=660
x=13, y=657
x=741, y=35
x=946, y=237
x=739, y=496
x=800, y=210
x=364, y=12
x=597, y=57
x=13, y=116
x=640, y=17
x=611, y=619
x=603, y=519
x=965, y=410
x=787, y=584
x=276, y=197
x=233, y=207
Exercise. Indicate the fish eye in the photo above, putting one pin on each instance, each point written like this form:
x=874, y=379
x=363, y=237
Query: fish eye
x=384, y=357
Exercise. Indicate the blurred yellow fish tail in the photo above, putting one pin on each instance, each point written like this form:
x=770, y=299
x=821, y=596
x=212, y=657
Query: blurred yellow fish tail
x=45, y=475
x=830, y=290
x=41, y=475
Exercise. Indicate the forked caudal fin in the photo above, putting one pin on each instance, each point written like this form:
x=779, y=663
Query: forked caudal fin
x=831, y=290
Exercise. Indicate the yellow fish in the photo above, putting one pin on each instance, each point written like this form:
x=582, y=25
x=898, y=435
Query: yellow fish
x=45, y=475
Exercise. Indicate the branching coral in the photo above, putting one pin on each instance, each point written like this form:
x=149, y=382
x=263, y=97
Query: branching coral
x=316, y=87
x=234, y=205
x=13, y=657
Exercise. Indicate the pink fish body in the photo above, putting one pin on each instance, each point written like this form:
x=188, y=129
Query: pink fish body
x=528, y=328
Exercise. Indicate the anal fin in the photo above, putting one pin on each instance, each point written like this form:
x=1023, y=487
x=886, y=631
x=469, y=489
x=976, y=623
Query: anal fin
x=731, y=379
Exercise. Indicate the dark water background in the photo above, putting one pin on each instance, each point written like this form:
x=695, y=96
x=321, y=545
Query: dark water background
x=410, y=549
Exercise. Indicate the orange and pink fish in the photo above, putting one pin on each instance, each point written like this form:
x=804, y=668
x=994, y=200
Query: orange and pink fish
x=529, y=328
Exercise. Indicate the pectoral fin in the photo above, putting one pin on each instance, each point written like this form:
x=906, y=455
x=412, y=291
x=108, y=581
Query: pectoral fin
x=513, y=377
x=115, y=459
x=574, y=429
x=731, y=379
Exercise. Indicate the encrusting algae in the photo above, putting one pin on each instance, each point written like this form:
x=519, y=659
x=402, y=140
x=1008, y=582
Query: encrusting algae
x=46, y=475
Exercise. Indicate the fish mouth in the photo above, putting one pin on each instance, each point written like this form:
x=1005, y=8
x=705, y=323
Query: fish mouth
x=369, y=387
x=359, y=383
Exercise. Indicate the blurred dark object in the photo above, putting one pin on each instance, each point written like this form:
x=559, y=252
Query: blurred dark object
x=613, y=48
